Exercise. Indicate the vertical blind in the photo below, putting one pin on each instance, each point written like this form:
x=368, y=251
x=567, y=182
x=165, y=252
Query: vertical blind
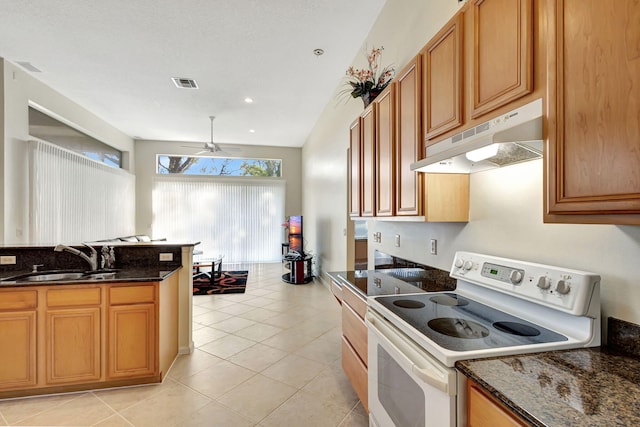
x=75, y=199
x=240, y=219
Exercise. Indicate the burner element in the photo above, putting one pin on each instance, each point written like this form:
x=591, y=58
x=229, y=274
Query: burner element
x=516, y=329
x=449, y=299
x=458, y=328
x=408, y=303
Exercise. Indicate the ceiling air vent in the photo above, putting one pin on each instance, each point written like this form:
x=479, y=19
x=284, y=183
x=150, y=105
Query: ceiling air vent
x=184, y=83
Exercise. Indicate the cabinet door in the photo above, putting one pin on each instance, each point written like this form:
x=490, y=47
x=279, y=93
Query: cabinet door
x=132, y=341
x=484, y=411
x=18, y=344
x=443, y=76
x=503, y=53
x=368, y=160
x=408, y=139
x=73, y=345
x=594, y=132
x=384, y=152
x=355, y=152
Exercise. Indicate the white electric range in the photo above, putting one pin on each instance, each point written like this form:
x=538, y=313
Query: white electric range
x=499, y=307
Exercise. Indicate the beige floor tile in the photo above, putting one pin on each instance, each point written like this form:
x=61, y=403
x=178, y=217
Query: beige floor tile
x=114, y=421
x=214, y=414
x=227, y=346
x=355, y=419
x=258, y=357
x=233, y=324
x=257, y=397
x=258, y=332
x=189, y=364
x=305, y=410
x=14, y=410
x=166, y=407
x=294, y=370
x=288, y=340
x=258, y=314
x=84, y=410
x=321, y=350
x=205, y=335
x=218, y=379
x=211, y=317
x=333, y=386
x=122, y=398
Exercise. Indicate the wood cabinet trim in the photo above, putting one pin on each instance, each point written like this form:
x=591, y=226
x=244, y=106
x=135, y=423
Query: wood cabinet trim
x=385, y=141
x=454, y=28
x=355, y=168
x=484, y=410
x=355, y=331
x=356, y=302
x=18, y=300
x=356, y=372
x=18, y=367
x=524, y=81
x=368, y=161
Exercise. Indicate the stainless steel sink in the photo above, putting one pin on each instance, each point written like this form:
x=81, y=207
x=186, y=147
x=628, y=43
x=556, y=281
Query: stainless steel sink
x=53, y=276
x=50, y=277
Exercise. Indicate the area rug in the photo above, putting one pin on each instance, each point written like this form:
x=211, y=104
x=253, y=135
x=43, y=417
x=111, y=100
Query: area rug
x=230, y=282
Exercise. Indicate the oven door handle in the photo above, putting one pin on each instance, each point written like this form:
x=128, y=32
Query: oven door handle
x=422, y=364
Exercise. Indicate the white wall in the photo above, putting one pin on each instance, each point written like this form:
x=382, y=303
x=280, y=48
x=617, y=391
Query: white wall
x=20, y=89
x=505, y=204
x=147, y=151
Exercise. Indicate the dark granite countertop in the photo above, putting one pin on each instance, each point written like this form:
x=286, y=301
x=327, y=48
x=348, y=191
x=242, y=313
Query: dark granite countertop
x=584, y=387
x=394, y=281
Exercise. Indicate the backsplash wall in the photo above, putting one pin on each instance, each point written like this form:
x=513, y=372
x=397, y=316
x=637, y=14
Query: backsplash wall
x=506, y=220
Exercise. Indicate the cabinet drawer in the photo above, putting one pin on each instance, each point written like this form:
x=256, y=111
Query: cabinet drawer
x=336, y=290
x=485, y=412
x=132, y=294
x=356, y=372
x=357, y=303
x=355, y=331
x=18, y=300
x=73, y=297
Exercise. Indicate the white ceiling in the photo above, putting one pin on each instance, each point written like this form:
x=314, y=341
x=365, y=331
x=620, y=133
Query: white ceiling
x=117, y=57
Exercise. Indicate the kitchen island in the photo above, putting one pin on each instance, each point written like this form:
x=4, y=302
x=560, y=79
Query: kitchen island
x=106, y=330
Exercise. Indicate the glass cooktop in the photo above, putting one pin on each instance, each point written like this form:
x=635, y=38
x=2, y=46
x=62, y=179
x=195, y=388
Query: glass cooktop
x=460, y=324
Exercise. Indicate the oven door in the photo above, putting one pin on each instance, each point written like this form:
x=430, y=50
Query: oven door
x=407, y=386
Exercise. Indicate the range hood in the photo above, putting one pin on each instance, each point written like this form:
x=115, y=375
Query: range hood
x=510, y=138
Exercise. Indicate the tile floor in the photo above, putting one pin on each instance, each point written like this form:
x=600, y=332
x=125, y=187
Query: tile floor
x=268, y=357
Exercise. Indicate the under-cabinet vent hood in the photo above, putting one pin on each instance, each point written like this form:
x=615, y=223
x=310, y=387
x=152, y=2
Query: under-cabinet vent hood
x=510, y=138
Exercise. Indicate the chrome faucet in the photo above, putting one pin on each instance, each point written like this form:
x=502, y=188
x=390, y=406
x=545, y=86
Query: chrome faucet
x=92, y=259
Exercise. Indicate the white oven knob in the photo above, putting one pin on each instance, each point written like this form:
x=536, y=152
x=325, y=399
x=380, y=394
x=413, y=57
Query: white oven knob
x=563, y=287
x=544, y=282
x=467, y=265
x=515, y=276
x=458, y=263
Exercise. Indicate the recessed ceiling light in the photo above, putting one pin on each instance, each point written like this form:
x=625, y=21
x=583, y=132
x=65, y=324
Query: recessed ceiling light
x=252, y=131
x=248, y=100
x=318, y=52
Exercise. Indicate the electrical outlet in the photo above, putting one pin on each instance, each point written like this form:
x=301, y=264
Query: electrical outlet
x=397, y=240
x=434, y=247
x=166, y=256
x=7, y=259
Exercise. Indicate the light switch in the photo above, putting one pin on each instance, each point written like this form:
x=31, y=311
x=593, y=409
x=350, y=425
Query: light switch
x=397, y=240
x=166, y=256
x=7, y=259
x=434, y=247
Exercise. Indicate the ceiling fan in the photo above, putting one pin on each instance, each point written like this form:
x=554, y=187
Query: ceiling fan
x=212, y=147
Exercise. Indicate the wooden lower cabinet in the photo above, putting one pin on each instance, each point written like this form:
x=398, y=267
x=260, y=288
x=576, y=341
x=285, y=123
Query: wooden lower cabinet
x=73, y=340
x=484, y=410
x=132, y=342
x=74, y=337
x=17, y=333
x=354, y=343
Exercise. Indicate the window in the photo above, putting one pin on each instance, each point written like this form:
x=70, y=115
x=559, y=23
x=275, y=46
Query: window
x=58, y=133
x=218, y=166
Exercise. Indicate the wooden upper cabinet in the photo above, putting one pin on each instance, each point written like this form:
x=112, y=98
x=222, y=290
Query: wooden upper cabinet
x=593, y=156
x=368, y=160
x=354, y=168
x=503, y=53
x=408, y=138
x=384, y=152
x=442, y=60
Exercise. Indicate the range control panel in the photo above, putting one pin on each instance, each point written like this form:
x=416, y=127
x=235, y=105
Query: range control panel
x=561, y=288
